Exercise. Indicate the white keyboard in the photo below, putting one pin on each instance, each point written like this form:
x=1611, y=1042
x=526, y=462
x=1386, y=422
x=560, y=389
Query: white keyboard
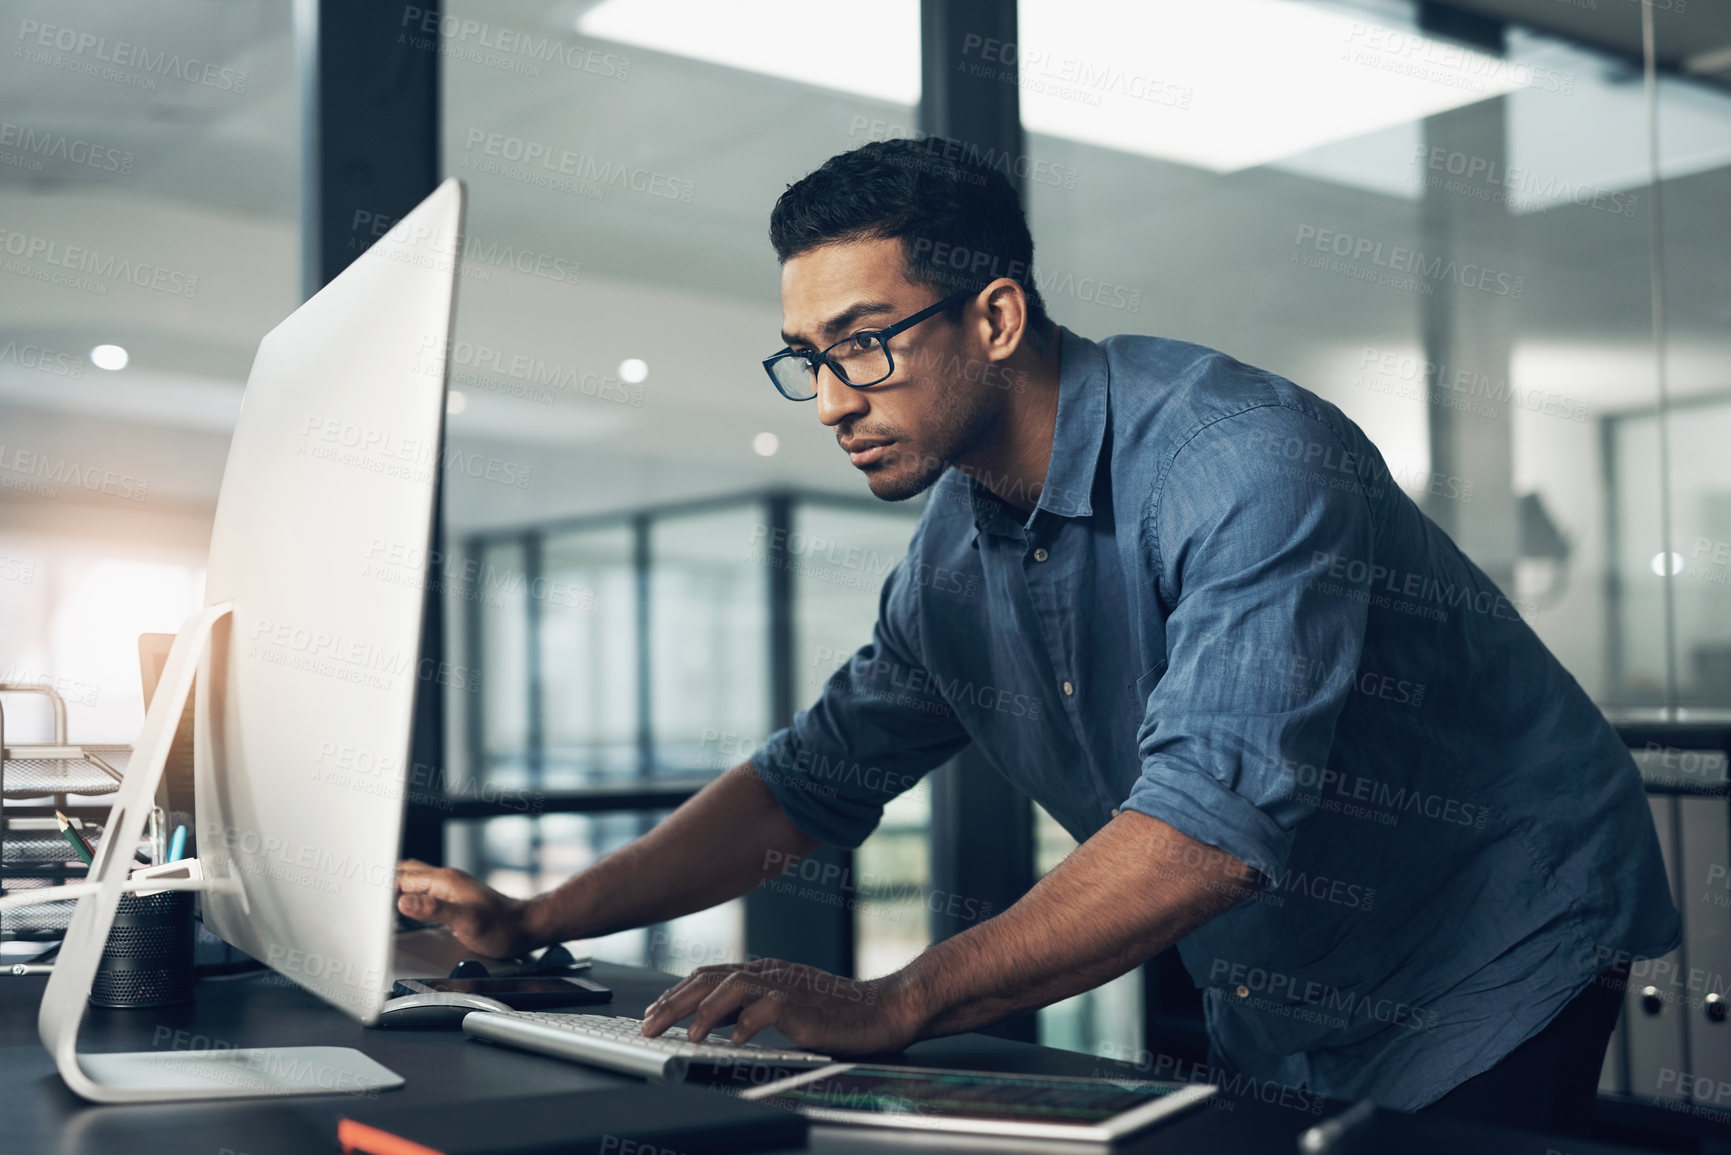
x=618, y=1044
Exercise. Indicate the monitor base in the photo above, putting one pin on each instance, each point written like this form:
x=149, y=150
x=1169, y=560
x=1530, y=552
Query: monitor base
x=249, y=1072
x=146, y=1076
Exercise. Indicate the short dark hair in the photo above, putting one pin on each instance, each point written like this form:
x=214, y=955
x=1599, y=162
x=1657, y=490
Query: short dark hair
x=959, y=220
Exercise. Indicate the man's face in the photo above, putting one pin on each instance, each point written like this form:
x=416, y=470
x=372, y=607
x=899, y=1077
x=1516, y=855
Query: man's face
x=903, y=433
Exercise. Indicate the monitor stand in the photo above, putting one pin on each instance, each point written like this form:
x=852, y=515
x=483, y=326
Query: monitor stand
x=158, y=1076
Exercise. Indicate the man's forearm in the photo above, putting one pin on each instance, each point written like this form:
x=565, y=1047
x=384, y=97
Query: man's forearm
x=715, y=847
x=1124, y=895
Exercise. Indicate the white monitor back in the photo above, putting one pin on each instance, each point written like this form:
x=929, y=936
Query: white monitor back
x=321, y=535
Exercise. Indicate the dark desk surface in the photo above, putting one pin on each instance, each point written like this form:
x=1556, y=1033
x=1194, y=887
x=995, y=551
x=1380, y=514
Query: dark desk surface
x=39, y=1116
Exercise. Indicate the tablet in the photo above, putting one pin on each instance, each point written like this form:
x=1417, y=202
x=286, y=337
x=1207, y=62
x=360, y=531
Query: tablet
x=519, y=992
x=981, y=1102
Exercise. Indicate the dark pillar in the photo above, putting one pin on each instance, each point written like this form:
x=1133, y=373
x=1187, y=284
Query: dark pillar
x=982, y=827
x=370, y=134
x=963, y=96
x=1468, y=333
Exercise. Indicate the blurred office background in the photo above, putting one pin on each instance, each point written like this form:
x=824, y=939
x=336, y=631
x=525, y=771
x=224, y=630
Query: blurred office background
x=1479, y=227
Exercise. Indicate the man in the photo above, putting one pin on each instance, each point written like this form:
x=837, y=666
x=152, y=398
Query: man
x=1294, y=730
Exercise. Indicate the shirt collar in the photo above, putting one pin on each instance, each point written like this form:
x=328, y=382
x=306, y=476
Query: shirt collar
x=1080, y=427
x=1078, y=432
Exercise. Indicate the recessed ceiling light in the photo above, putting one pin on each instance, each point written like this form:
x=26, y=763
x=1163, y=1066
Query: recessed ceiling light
x=765, y=444
x=633, y=370
x=110, y=357
x=455, y=402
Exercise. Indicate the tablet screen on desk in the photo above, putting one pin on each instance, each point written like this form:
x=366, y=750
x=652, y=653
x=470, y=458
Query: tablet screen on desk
x=981, y=1102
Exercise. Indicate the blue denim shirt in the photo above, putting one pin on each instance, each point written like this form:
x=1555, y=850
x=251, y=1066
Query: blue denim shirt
x=1225, y=614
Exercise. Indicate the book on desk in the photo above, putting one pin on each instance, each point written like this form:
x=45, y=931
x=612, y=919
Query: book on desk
x=615, y=1121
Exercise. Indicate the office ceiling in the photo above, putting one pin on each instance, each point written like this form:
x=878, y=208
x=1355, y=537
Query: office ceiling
x=211, y=189
x=1689, y=38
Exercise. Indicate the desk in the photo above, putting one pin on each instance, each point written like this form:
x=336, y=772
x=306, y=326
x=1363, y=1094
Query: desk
x=40, y=1116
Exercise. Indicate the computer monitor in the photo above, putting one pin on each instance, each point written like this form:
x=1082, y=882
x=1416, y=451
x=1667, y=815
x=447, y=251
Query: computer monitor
x=308, y=663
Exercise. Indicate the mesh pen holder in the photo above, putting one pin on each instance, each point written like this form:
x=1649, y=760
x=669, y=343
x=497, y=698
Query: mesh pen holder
x=148, y=959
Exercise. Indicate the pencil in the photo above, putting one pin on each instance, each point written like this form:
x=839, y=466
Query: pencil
x=79, y=846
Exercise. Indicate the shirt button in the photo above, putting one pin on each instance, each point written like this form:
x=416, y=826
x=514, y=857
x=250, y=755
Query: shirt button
x=1114, y=812
x=1068, y=689
x=1243, y=991
x=1041, y=554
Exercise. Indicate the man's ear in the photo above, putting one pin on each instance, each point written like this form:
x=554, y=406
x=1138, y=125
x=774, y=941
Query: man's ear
x=1004, y=318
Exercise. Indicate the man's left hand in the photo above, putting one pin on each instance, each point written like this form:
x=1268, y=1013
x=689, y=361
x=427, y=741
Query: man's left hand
x=816, y=1010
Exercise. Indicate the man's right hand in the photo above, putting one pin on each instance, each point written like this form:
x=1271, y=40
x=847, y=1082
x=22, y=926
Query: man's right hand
x=483, y=920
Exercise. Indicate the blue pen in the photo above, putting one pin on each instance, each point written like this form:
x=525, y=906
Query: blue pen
x=177, y=844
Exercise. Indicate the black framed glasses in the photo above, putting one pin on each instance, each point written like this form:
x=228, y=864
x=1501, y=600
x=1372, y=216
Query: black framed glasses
x=859, y=359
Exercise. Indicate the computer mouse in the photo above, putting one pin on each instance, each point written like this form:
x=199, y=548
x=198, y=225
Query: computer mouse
x=558, y=958
x=433, y=1011
x=469, y=969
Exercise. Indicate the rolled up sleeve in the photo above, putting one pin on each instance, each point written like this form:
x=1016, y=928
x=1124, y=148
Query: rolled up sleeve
x=876, y=729
x=1264, y=636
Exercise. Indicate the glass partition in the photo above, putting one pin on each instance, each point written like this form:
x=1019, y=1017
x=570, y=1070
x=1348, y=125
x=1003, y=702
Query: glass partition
x=708, y=635
x=839, y=557
x=585, y=609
